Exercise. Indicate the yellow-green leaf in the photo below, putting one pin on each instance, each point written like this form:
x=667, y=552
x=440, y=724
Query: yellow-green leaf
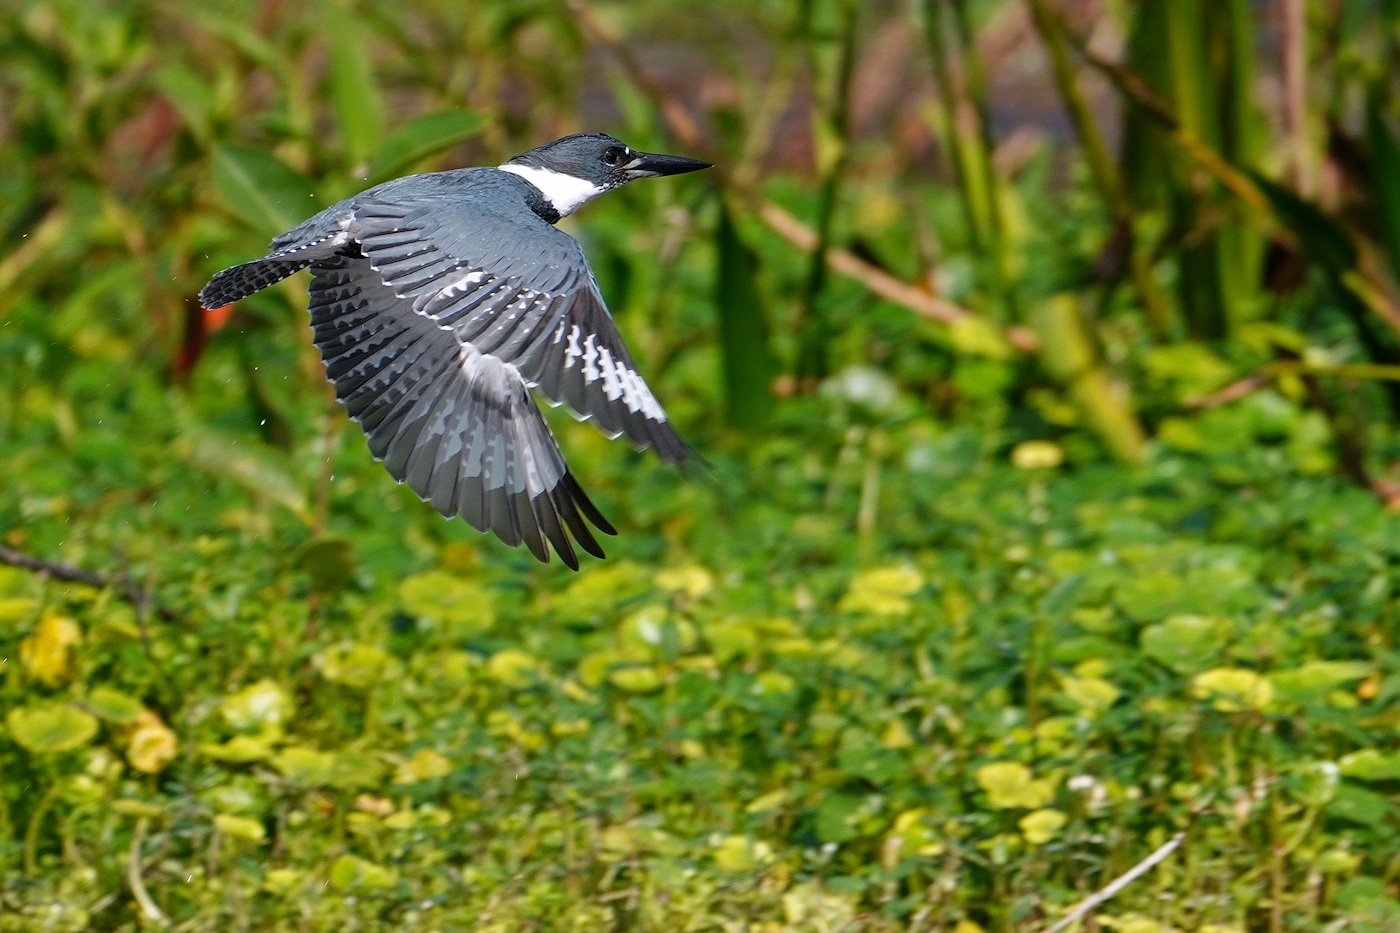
x=260, y=705
x=48, y=652
x=913, y=834
x=423, y=765
x=113, y=706
x=50, y=728
x=462, y=608
x=240, y=827
x=1010, y=784
x=1233, y=689
x=152, y=745
x=354, y=664
x=351, y=873
x=1093, y=694
x=1037, y=455
x=691, y=579
x=883, y=591
x=240, y=748
x=512, y=667
x=636, y=679
x=1040, y=826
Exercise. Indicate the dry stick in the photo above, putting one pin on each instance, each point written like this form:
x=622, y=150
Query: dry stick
x=889, y=287
x=128, y=590
x=1242, y=387
x=1122, y=881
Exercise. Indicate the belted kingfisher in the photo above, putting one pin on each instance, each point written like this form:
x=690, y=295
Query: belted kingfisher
x=440, y=301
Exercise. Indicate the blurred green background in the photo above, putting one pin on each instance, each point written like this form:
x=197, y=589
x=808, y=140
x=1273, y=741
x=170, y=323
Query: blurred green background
x=1047, y=355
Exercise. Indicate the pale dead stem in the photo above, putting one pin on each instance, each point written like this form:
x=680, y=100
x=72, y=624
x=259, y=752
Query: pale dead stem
x=1083, y=908
x=149, y=909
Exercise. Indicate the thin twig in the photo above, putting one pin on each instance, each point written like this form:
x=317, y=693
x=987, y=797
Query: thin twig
x=1242, y=387
x=124, y=587
x=1122, y=881
x=880, y=282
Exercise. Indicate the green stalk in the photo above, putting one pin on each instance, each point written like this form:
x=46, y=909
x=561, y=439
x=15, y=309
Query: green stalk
x=1103, y=168
x=967, y=140
x=1194, y=99
x=833, y=132
x=975, y=80
x=1071, y=357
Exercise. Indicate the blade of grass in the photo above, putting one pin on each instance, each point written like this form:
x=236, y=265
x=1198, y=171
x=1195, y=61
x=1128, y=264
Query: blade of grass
x=831, y=130
x=354, y=93
x=743, y=333
x=1385, y=180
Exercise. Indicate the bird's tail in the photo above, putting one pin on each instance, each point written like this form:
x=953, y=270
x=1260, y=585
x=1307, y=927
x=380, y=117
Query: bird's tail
x=241, y=281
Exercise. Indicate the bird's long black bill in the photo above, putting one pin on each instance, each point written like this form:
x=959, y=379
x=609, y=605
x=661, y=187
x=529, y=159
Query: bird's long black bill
x=651, y=164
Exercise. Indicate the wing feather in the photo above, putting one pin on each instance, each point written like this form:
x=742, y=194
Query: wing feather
x=460, y=427
x=514, y=287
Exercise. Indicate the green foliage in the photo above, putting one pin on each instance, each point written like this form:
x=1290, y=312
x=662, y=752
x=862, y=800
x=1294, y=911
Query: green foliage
x=925, y=654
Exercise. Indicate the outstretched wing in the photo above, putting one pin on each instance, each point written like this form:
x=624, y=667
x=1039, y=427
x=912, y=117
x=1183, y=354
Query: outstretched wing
x=457, y=424
x=515, y=288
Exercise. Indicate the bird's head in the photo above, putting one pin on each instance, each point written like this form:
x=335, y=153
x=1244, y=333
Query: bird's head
x=573, y=170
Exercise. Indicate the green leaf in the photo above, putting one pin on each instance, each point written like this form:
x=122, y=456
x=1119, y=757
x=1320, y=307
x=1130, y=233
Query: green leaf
x=261, y=189
x=846, y=816
x=1010, y=785
x=419, y=138
x=354, y=664
x=1311, y=682
x=1233, y=689
x=329, y=562
x=113, y=706
x=240, y=748
x=1370, y=764
x=1359, y=805
x=1040, y=826
x=263, y=705
x=306, y=765
x=1188, y=644
x=1324, y=240
x=351, y=873
x=240, y=827
x=463, y=609
x=50, y=728
x=353, y=91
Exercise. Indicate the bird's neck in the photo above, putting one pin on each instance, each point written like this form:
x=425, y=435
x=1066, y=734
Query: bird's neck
x=562, y=194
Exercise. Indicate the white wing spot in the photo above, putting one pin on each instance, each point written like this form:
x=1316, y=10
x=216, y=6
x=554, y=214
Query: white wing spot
x=612, y=388
x=590, y=356
x=632, y=389
x=573, y=352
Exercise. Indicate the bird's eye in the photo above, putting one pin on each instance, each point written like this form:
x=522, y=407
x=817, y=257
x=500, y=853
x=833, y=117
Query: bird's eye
x=614, y=155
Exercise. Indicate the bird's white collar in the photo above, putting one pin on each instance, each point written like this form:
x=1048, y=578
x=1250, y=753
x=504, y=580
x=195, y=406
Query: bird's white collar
x=565, y=193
